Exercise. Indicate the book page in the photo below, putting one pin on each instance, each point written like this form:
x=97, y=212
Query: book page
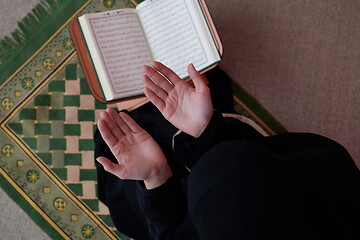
x=173, y=35
x=119, y=50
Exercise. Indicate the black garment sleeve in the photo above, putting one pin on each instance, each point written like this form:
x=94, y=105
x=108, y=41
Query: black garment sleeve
x=165, y=208
x=188, y=149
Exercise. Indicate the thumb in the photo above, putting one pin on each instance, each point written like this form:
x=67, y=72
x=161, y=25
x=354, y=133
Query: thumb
x=198, y=79
x=111, y=167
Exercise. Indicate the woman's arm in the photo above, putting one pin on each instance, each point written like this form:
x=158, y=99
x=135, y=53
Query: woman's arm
x=139, y=156
x=188, y=149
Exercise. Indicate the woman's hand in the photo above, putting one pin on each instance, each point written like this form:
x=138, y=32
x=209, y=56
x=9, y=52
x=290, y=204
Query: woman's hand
x=139, y=156
x=187, y=108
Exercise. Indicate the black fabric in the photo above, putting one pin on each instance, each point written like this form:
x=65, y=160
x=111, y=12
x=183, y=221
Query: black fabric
x=240, y=190
x=221, y=90
x=289, y=186
x=188, y=149
x=241, y=186
x=326, y=166
x=165, y=208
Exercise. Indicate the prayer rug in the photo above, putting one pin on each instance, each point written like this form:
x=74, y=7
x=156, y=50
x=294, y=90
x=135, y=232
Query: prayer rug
x=47, y=120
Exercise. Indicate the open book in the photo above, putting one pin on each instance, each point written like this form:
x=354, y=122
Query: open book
x=120, y=42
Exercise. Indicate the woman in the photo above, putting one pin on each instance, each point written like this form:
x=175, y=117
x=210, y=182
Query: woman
x=218, y=178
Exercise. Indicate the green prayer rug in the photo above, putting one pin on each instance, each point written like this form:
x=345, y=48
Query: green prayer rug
x=47, y=120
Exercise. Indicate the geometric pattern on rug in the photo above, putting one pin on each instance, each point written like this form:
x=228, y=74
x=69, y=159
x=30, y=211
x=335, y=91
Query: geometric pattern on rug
x=58, y=126
x=47, y=121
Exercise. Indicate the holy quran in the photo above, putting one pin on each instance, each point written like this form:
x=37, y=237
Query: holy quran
x=120, y=42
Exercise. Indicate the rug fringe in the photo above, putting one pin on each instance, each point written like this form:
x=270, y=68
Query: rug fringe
x=26, y=27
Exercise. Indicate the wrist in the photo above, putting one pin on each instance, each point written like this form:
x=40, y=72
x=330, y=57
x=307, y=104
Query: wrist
x=203, y=125
x=158, y=177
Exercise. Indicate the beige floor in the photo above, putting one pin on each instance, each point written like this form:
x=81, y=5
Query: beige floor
x=15, y=224
x=300, y=59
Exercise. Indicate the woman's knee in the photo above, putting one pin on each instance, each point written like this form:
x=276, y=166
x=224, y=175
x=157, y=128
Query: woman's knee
x=294, y=142
x=228, y=153
x=230, y=164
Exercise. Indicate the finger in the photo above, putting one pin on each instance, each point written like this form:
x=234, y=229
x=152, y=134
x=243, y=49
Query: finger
x=112, y=125
x=116, y=169
x=154, y=75
x=106, y=133
x=198, y=79
x=155, y=88
x=133, y=126
x=167, y=72
x=158, y=102
x=119, y=122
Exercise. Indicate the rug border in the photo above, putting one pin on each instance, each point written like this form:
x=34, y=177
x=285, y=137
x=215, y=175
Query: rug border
x=30, y=207
x=19, y=64
x=43, y=166
x=258, y=112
